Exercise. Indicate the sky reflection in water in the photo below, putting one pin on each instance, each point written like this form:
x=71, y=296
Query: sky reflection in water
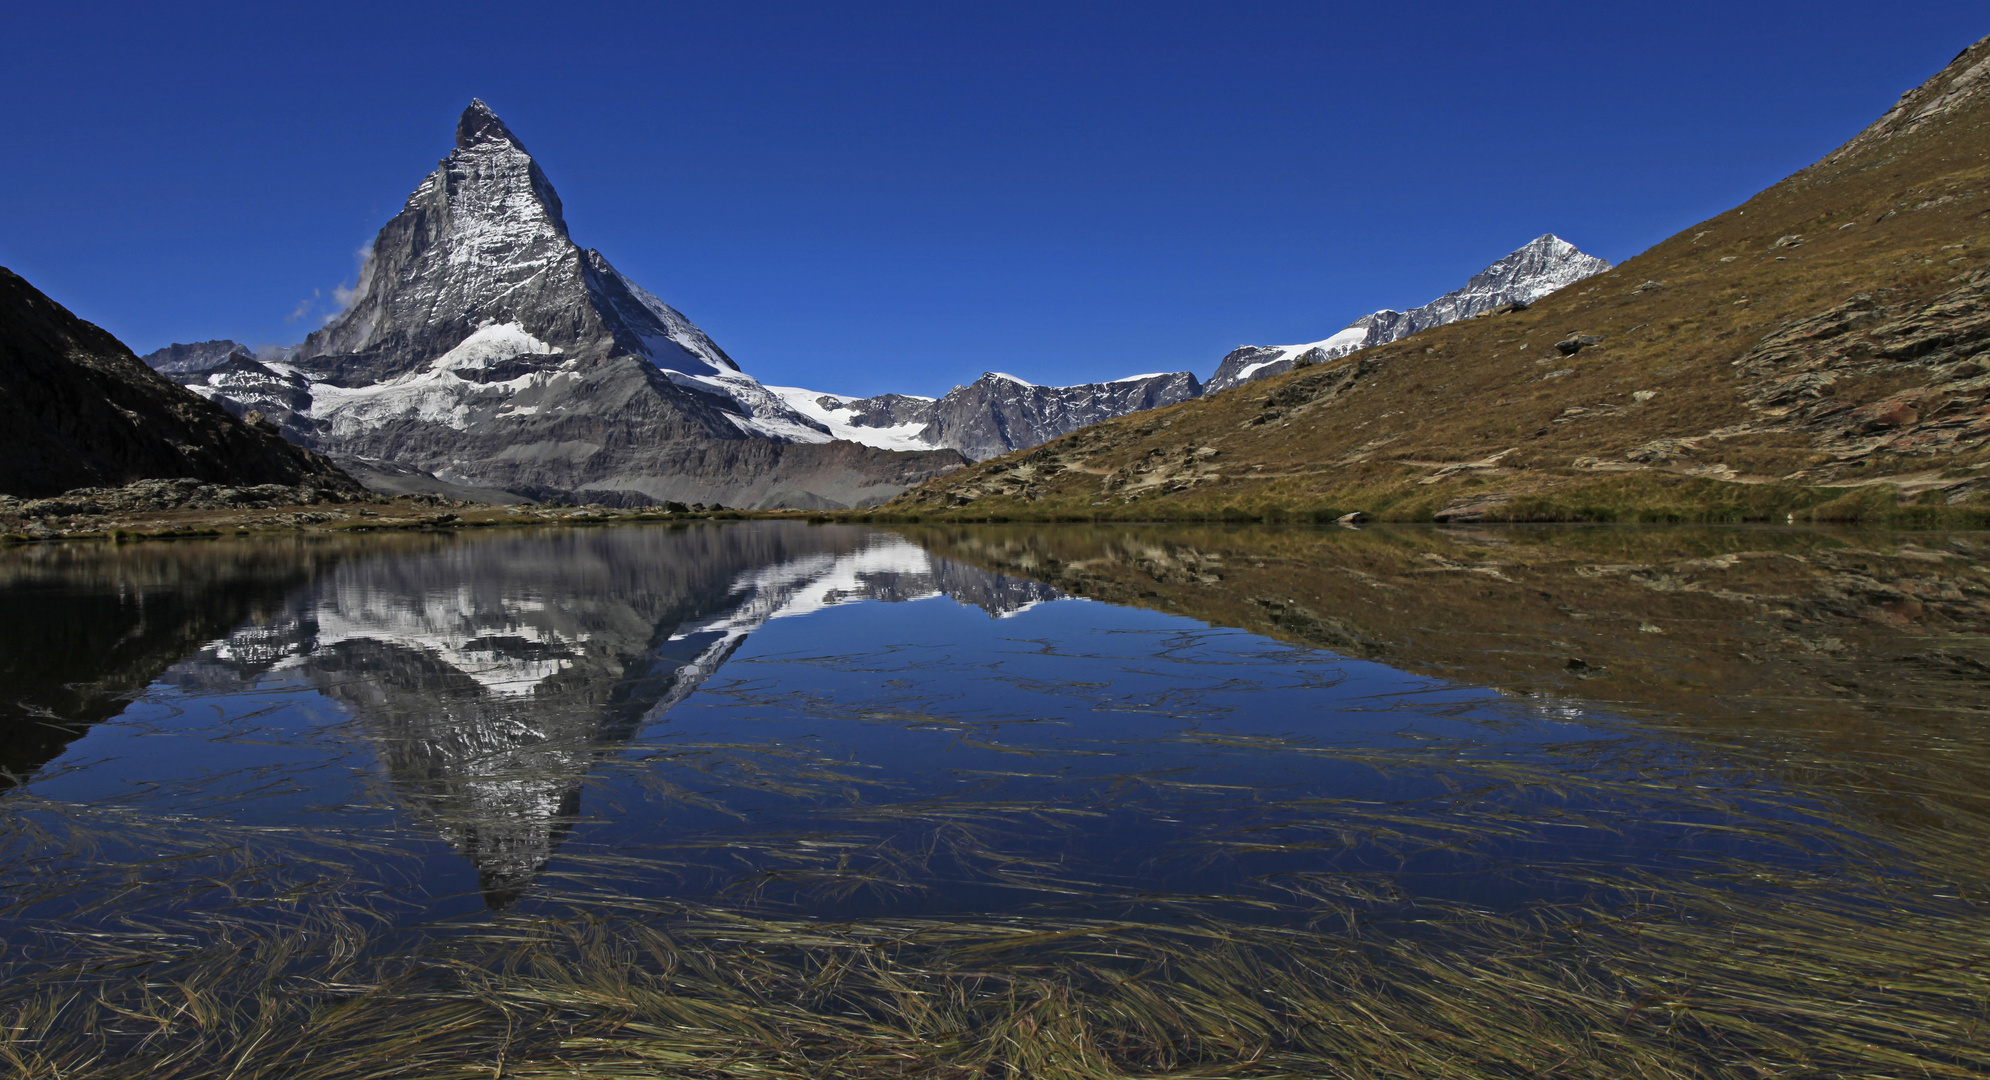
x=827, y=721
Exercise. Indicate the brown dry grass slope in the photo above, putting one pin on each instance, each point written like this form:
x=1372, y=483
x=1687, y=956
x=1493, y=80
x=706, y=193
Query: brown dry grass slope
x=1821, y=352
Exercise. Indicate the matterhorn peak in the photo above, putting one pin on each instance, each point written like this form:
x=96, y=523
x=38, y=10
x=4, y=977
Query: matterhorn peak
x=480, y=125
x=484, y=349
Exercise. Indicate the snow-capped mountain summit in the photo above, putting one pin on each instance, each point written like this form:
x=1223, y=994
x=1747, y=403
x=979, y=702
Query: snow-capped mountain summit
x=482, y=243
x=478, y=268
x=1538, y=268
x=485, y=347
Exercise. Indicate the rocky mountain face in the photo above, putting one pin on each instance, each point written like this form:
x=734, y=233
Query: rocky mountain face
x=78, y=410
x=488, y=350
x=1542, y=266
x=882, y=411
x=196, y=356
x=998, y=413
x=1821, y=352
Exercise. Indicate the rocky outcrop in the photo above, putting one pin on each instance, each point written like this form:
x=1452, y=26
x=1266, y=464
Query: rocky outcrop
x=882, y=411
x=1931, y=357
x=1964, y=83
x=195, y=357
x=1542, y=266
x=158, y=495
x=484, y=349
x=78, y=410
x=998, y=413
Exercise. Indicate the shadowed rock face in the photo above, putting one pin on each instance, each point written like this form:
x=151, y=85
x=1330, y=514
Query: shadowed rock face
x=77, y=410
x=488, y=350
x=195, y=357
x=492, y=674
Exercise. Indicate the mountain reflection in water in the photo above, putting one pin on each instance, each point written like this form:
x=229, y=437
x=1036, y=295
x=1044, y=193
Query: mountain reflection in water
x=492, y=674
x=1197, y=801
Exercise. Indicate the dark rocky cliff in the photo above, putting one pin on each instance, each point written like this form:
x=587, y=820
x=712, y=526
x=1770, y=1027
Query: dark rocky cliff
x=77, y=409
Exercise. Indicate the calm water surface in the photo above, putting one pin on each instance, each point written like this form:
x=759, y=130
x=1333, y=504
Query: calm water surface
x=1025, y=728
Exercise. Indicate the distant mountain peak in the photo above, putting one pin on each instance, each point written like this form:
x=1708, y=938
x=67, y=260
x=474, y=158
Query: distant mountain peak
x=480, y=125
x=1524, y=275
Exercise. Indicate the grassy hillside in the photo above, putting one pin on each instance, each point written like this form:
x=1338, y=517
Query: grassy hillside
x=1821, y=352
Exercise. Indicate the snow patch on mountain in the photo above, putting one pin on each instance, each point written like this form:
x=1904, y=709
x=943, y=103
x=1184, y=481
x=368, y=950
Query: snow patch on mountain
x=437, y=396
x=837, y=421
x=1348, y=340
x=489, y=344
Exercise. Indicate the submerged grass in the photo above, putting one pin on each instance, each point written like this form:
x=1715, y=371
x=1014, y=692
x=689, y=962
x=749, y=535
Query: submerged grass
x=1835, y=944
x=1765, y=990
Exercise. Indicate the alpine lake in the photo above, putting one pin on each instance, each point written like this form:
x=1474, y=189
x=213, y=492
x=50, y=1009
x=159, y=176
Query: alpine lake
x=771, y=799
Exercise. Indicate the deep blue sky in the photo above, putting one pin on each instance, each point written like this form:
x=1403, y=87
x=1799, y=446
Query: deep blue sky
x=876, y=197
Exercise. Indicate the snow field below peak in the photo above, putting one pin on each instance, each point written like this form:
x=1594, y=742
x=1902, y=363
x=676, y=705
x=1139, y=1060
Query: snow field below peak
x=896, y=437
x=437, y=394
x=491, y=344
